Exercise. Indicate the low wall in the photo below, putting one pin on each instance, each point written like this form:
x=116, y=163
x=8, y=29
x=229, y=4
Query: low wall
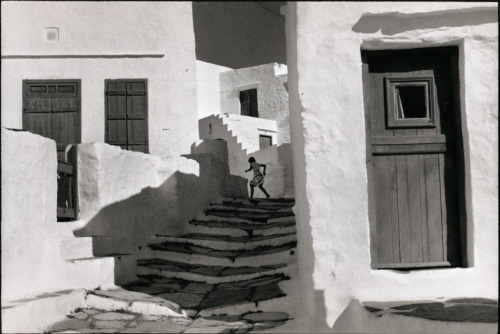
x=128, y=197
x=125, y=199
x=31, y=236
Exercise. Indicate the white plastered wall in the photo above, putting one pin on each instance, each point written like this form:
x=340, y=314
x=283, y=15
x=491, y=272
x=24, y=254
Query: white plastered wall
x=209, y=94
x=106, y=40
x=272, y=96
x=324, y=42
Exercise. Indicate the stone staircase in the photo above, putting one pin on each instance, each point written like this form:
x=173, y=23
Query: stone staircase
x=230, y=261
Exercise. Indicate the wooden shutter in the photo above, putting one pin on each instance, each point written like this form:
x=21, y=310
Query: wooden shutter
x=51, y=108
x=126, y=113
x=248, y=102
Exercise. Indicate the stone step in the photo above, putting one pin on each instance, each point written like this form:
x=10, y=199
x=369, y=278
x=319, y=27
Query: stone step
x=211, y=299
x=132, y=301
x=236, y=229
x=224, y=242
x=204, y=273
x=256, y=205
x=249, y=208
x=248, y=216
x=260, y=201
x=188, y=253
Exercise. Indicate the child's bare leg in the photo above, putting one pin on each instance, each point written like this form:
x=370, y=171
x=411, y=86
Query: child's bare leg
x=264, y=191
x=251, y=191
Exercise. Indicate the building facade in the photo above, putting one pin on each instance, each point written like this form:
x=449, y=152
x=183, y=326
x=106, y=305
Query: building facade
x=123, y=74
x=394, y=118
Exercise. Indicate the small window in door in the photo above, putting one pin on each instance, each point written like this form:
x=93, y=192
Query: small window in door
x=248, y=102
x=410, y=102
x=265, y=141
x=127, y=114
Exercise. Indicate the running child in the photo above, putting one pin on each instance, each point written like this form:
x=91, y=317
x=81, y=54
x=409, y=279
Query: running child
x=258, y=177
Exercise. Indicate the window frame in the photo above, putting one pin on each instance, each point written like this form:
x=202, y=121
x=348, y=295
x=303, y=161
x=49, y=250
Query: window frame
x=393, y=121
x=146, y=110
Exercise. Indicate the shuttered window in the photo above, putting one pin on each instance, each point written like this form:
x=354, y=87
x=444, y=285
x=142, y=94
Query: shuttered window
x=248, y=101
x=126, y=114
x=51, y=108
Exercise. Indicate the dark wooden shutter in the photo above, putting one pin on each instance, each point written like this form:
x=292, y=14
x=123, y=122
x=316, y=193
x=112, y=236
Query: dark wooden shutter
x=51, y=108
x=126, y=113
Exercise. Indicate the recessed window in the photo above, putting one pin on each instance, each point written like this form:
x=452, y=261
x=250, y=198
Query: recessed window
x=410, y=102
x=265, y=141
x=248, y=102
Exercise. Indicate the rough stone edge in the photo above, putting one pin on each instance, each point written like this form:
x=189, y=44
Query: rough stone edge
x=139, y=306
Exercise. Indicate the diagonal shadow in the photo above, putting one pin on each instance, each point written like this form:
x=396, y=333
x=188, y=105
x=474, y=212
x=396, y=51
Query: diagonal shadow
x=395, y=23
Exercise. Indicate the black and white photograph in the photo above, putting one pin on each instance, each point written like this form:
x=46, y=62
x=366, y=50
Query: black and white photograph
x=249, y=167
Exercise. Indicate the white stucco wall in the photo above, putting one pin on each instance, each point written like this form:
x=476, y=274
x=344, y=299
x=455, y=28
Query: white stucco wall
x=278, y=181
x=272, y=96
x=106, y=40
x=242, y=136
x=328, y=141
x=125, y=198
x=33, y=257
x=128, y=197
x=241, y=132
x=209, y=94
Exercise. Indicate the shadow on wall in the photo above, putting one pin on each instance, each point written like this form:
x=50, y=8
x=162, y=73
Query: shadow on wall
x=239, y=34
x=123, y=227
x=395, y=23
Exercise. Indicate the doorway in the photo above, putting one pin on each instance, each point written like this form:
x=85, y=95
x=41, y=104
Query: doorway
x=415, y=159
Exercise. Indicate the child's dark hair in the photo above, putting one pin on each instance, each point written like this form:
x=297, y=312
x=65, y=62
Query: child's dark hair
x=252, y=159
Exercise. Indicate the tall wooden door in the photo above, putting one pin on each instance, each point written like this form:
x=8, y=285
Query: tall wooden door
x=51, y=108
x=414, y=157
x=126, y=114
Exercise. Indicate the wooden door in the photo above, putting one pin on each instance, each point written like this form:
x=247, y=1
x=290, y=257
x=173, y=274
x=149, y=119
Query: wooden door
x=51, y=108
x=414, y=157
x=126, y=114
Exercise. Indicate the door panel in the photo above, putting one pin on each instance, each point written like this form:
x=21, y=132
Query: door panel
x=51, y=108
x=117, y=132
x=126, y=114
x=411, y=132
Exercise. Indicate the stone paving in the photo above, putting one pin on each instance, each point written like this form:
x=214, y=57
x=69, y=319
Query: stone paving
x=91, y=320
x=475, y=310
x=182, y=276
x=198, y=296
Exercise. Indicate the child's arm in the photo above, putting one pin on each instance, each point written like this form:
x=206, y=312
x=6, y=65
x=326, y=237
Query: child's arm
x=249, y=169
x=263, y=165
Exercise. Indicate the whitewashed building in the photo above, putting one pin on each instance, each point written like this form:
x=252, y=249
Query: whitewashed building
x=394, y=120
x=392, y=149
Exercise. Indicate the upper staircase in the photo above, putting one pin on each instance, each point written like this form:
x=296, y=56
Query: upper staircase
x=231, y=260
